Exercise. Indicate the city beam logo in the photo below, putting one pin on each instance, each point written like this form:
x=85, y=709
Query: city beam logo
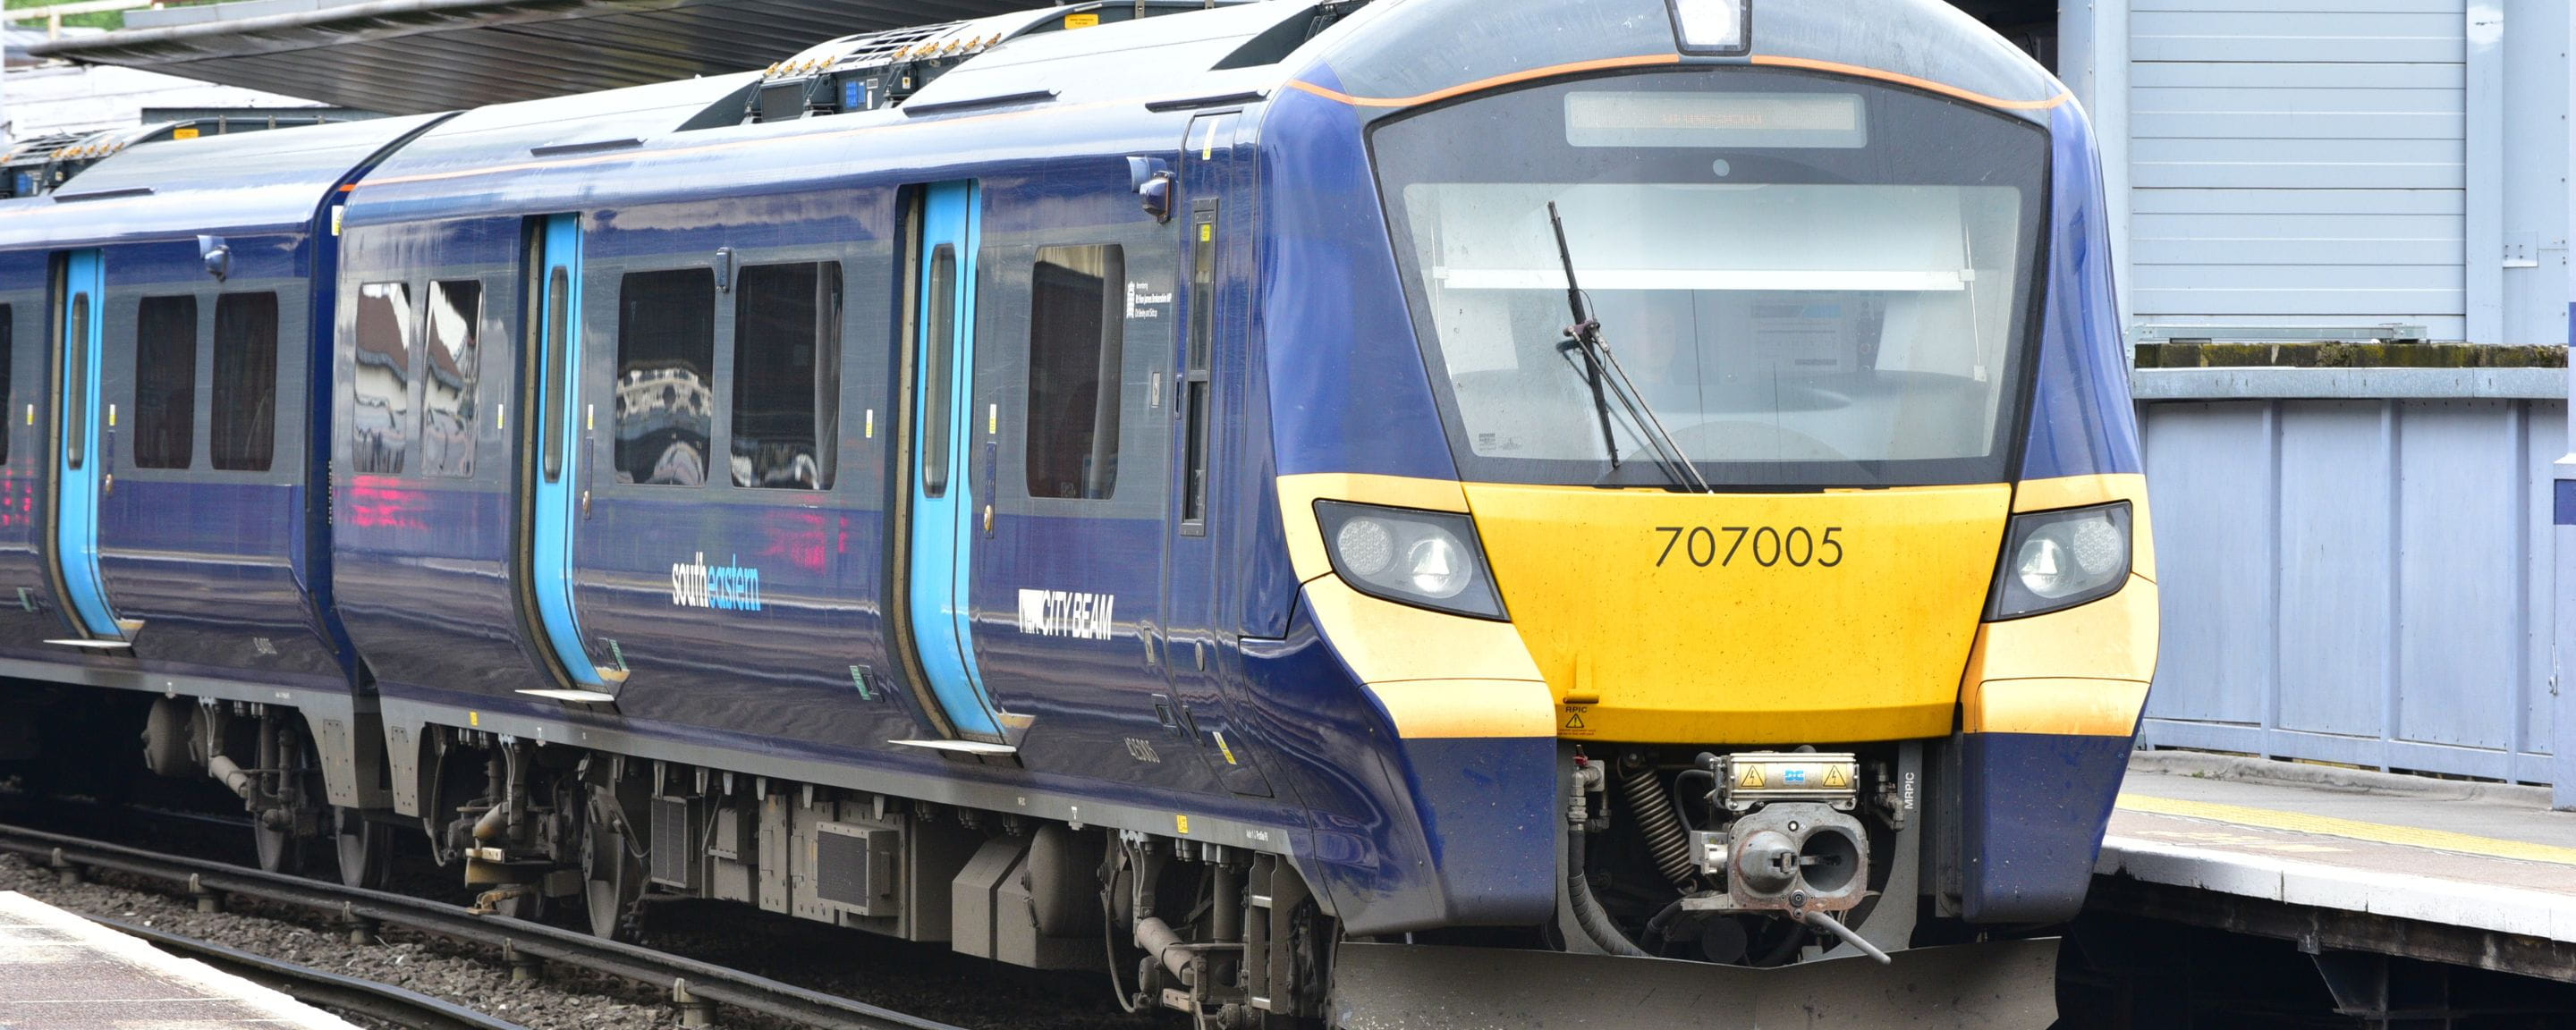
x=1068, y=613
x=729, y=587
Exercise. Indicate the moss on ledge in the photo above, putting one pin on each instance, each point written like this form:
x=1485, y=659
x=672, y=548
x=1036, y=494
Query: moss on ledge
x=2193, y=354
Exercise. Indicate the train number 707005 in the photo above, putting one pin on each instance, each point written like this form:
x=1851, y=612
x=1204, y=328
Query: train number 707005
x=1767, y=546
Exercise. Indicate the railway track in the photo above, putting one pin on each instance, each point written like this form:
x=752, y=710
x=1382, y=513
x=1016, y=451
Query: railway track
x=321, y=987
x=700, y=990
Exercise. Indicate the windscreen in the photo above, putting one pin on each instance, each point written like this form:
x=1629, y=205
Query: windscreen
x=1809, y=281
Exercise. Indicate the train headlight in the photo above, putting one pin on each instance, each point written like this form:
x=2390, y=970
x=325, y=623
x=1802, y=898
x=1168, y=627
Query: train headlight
x=1429, y=559
x=2059, y=559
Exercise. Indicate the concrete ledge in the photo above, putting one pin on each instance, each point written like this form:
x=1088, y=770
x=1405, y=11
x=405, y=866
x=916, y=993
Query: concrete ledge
x=2397, y=896
x=2259, y=383
x=2209, y=766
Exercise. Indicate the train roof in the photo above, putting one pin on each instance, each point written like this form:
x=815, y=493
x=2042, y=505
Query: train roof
x=213, y=184
x=630, y=145
x=1011, y=87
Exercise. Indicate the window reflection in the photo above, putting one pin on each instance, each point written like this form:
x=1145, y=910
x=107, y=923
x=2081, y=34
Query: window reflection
x=381, y=416
x=666, y=348
x=447, y=384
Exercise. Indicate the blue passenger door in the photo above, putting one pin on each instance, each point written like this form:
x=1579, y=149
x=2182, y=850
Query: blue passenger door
x=559, y=487
x=79, y=466
x=944, y=511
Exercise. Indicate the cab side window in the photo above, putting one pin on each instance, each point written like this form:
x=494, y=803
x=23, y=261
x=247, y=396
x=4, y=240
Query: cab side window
x=1076, y=358
x=165, y=382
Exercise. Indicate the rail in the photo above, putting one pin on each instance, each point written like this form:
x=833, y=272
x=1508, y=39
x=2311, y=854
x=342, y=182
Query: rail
x=692, y=985
x=319, y=987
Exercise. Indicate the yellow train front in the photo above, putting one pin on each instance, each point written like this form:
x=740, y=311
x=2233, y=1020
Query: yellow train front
x=1714, y=416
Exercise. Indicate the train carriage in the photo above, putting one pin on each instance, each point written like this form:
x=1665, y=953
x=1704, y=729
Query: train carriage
x=1338, y=498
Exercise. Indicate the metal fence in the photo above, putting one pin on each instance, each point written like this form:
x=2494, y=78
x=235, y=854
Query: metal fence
x=2355, y=565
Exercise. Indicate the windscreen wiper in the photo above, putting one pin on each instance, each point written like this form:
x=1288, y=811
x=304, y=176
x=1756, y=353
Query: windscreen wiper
x=1602, y=373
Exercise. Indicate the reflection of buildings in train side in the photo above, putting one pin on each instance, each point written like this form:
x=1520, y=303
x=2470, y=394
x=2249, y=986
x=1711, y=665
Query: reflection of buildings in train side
x=664, y=420
x=447, y=416
x=381, y=387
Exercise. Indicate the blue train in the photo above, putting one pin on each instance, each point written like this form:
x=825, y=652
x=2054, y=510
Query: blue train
x=1333, y=499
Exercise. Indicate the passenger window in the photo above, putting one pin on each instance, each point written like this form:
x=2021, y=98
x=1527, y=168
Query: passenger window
x=381, y=419
x=941, y=342
x=245, y=397
x=787, y=376
x=8, y=360
x=447, y=385
x=1076, y=348
x=666, y=352
x=165, y=382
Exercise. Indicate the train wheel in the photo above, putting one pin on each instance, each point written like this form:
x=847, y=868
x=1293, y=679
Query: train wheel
x=611, y=879
x=366, y=848
x=280, y=851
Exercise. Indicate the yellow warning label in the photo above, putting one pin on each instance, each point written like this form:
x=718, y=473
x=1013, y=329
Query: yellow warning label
x=474, y=718
x=184, y=132
x=1574, y=724
x=1751, y=778
x=1222, y=748
x=1207, y=231
x=1081, y=21
x=1182, y=822
x=1835, y=777
x=335, y=218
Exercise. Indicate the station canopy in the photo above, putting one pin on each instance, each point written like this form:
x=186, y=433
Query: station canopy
x=415, y=56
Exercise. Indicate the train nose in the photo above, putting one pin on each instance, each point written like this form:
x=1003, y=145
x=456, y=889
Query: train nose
x=1661, y=617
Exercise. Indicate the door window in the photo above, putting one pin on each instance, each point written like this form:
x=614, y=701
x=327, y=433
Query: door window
x=245, y=395
x=76, y=385
x=1194, y=378
x=666, y=355
x=1076, y=349
x=937, y=371
x=165, y=382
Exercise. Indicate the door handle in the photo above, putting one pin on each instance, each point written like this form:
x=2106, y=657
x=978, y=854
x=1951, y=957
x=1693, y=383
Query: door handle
x=583, y=459
x=992, y=458
x=107, y=455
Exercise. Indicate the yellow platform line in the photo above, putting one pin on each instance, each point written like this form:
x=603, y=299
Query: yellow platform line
x=2351, y=829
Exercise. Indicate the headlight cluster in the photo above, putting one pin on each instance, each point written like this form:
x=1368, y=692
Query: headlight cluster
x=2059, y=559
x=1425, y=558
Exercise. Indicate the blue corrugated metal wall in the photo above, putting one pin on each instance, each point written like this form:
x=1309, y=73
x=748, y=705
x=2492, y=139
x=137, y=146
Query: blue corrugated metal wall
x=2360, y=580
x=2299, y=162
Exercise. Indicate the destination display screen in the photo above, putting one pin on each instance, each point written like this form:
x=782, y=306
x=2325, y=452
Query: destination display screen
x=1600, y=118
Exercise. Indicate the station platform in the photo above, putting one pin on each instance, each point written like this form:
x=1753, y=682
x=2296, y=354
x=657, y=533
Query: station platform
x=2465, y=873
x=61, y=972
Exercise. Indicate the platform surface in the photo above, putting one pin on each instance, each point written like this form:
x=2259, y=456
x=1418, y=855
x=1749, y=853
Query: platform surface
x=61, y=972
x=2487, y=856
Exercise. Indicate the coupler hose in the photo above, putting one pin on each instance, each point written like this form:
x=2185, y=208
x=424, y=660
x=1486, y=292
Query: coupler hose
x=1652, y=807
x=1588, y=915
